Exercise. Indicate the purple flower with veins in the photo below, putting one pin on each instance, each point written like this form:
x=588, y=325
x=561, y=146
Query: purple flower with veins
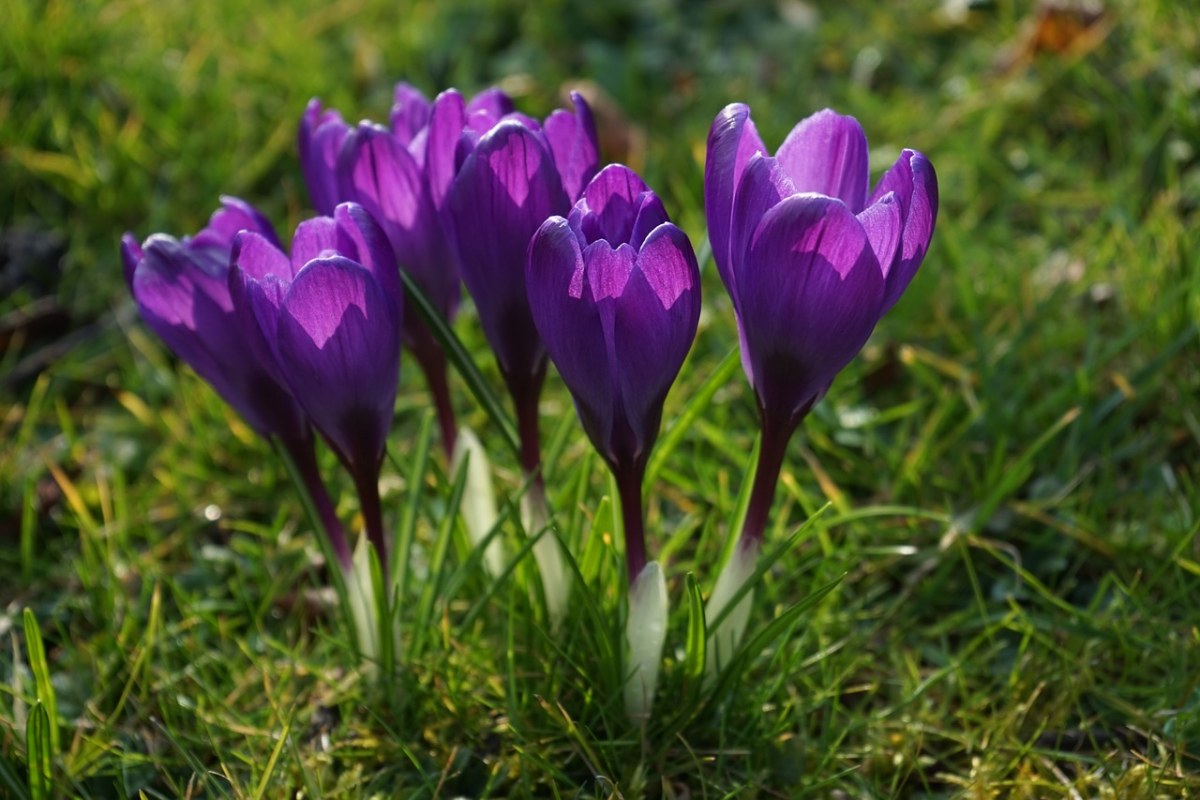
x=181, y=288
x=615, y=295
x=812, y=259
x=329, y=316
x=401, y=175
x=512, y=175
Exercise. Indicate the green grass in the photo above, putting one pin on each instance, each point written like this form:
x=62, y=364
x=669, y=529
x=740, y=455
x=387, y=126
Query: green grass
x=1011, y=464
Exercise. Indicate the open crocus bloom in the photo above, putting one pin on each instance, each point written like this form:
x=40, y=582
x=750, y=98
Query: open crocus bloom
x=811, y=258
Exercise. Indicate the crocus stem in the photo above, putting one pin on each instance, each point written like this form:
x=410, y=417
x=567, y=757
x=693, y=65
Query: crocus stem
x=525, y=394
x=305, y=459
x=775, y=438
x=629, y=487
x=368, y=498
x=432, y=359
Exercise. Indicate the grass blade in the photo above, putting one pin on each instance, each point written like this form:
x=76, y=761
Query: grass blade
x=462, y=361
x=41, y=676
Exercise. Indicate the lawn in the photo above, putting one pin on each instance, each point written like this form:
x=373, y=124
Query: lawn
x=993, y=514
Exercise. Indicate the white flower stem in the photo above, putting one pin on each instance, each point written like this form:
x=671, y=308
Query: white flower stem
x=645, y=632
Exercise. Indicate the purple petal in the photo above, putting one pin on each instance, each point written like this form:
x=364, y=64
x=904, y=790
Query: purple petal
x=914, y=183
x=320, y=138
x=361, y=239
x=339, y=349
x=506, y=189
x=827, y=154
x=233, y=217
x=183, y=295
x=811, y=292
x=258, y=258
x=446, y=123
x=131, y=254
x=567, y=320
x=410, y=113
x=610, y=205
x=315, y=238
x=762, y=187
x=732, y=140
x=883, y=226
x=493, y=102
x=381, y=175
x=572, y=139
x=653, y=327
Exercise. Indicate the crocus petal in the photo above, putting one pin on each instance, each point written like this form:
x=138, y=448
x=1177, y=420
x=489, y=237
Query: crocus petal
x=378, y=173
x=732, y=140
x=314, y=238
x=183, y=295
x=505, y=190
x=410, y=113
x=572, y=139
x=446, y=123
x=651, y=213
x=339, y=349
x=362, y=240
x=653, y=327
x=827, y=154
x=320, y=138
x=493, y=102
x=763, y=186
x=882, y=223
x=610, y=204
x=233, y=217
x=914, y=183
x=567, y=320
x=811, y=290
x=131, y=254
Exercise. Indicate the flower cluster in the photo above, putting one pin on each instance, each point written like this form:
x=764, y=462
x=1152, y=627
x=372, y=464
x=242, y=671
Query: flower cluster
x=567, y=262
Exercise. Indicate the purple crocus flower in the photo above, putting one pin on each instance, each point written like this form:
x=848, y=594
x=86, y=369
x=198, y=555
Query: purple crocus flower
x=811, y=258
x=513, y=175
x=330, y=317
x=615, y=295
x=182, y=291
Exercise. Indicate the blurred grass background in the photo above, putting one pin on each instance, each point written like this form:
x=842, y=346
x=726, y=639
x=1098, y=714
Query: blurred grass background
x=1012, y=462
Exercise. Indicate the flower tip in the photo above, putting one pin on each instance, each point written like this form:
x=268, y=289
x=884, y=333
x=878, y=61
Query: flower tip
x=131, y=254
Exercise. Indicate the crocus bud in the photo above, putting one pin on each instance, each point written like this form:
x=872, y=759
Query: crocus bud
x=330, y=315
x=511, y=179
x=182, y=291
x=320, y=139
x=615, y=295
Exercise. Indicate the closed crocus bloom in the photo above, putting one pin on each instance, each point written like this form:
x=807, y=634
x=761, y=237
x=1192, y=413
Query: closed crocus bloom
x=181, y=287
x=330, y=314
x=812, y=259
x=182, y=291
x=615, y=296
x=320, y=138
x=512, y=178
